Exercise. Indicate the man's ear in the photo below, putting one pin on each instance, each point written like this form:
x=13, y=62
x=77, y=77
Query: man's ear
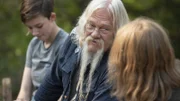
x=53, y=16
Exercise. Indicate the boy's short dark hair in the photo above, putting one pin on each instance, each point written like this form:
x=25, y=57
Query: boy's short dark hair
x=32, y=8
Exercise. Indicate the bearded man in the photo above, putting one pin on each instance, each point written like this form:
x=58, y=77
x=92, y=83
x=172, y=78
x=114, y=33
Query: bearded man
x=79, y=73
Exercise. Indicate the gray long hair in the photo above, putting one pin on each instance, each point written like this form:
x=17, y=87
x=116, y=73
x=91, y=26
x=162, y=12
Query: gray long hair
x=116, y=9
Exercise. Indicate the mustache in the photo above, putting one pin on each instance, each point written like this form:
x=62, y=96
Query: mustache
x=90, y=38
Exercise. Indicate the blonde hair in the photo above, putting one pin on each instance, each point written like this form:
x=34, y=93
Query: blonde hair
x=141, y=62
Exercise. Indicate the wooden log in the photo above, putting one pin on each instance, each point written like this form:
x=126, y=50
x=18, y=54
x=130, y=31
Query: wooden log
x=6, y=89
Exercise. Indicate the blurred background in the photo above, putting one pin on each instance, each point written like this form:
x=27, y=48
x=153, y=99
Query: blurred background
x=14, y=42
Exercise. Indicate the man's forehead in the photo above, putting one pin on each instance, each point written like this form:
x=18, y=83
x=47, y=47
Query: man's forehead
x=101, y=15
x=100, y=23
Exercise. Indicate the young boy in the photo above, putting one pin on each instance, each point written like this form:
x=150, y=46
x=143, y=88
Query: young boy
x=39, y=17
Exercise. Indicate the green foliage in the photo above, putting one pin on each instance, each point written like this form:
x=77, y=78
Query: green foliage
x=14, y=42
x=165, y=12
x=68, y=12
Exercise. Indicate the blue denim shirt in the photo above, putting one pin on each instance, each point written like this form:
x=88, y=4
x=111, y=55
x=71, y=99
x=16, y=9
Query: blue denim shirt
x=58, y=81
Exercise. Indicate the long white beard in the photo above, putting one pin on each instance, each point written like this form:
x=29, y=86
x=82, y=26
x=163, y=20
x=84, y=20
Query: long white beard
x=88, y=58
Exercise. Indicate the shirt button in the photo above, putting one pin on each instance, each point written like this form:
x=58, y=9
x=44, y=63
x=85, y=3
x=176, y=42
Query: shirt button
x=76, y=50
x=65, y=96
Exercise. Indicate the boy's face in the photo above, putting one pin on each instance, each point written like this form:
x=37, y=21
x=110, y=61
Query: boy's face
x=40, y=26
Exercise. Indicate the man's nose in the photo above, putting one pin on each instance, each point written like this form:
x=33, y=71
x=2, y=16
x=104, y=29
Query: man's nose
x=96, y=33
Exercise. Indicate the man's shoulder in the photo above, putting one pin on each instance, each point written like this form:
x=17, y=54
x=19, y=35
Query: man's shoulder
x=69, y=45
x=68, y=48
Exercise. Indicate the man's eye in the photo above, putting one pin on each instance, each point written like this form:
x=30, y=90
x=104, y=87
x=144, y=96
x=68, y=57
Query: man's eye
x=89, y=25
x=105, y=29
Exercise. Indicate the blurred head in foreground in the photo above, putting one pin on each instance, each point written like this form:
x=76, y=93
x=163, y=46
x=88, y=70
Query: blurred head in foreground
x=141, y=62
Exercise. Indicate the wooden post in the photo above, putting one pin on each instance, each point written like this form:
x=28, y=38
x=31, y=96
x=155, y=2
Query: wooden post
x=177, y=64
x=6, y=89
